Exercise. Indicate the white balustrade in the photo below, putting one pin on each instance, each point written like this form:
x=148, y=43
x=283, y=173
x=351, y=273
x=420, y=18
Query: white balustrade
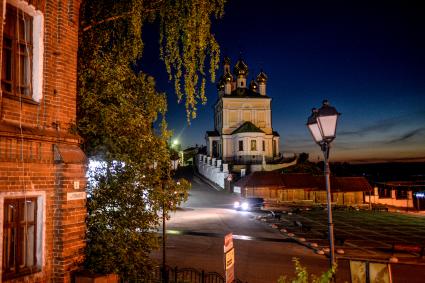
x=218, y=163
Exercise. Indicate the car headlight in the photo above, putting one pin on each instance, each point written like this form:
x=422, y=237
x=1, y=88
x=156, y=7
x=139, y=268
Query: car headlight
x=245, y=205
x=236, y=204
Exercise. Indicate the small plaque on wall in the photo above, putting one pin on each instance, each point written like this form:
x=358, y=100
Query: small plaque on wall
x=76, y=196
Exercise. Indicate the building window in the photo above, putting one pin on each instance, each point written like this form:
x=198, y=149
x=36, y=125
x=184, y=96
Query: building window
x=17, y=53
x=19, y=237
x=240, y=145
x=22, y=60
x=384, y=192
x=264, y=146
x=401, y=194
x=253, y=145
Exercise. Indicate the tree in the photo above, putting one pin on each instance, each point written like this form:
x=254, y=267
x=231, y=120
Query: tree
x=302, y=158
x=121, y=119
x=303, y=166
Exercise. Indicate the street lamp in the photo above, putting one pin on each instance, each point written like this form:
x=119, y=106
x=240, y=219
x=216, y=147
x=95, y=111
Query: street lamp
x=175, y=142
x=322, y=125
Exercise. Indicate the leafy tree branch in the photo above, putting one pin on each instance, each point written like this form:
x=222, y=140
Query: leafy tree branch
x=121, y=117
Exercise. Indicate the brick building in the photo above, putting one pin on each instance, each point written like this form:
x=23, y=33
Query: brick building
x=42, y=169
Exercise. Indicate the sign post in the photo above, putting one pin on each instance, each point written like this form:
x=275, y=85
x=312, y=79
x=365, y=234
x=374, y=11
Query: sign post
x=229, y=258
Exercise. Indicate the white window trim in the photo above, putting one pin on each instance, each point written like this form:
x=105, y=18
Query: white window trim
x=38, y=44
x=41, y=224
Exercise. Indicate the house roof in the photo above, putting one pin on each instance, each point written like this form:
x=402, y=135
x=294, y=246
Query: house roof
x=300, y=180
x=276, y=180
x=403, y=184
x=247, y=127
x=348, y=184
x=213, y=134
x=261, y=179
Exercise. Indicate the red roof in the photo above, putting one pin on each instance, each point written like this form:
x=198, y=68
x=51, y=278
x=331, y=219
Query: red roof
x=300, y=181
x=276, y=180
x=261, y=179
x=349, y=184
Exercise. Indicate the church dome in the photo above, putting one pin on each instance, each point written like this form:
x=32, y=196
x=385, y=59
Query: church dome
x=253, y=85
x=220, y=84
x=227, y=77
x=241, y=69
x=262, y=77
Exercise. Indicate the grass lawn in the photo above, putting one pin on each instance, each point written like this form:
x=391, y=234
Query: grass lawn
x=363, y=228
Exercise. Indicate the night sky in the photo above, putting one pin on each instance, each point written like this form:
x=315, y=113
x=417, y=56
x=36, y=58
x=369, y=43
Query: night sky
x=367, y=59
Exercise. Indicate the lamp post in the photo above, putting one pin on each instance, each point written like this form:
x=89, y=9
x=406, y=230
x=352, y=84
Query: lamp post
x=164, y=231
x=322, y=125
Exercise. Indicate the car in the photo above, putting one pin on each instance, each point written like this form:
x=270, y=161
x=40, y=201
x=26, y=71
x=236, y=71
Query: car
x=249, y=204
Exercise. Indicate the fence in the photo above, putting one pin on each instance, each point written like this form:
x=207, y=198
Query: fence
x=179, y=275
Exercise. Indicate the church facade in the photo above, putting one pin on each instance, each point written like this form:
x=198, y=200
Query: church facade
x=243, y=132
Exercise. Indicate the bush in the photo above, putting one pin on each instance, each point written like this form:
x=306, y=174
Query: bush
x=302, y=275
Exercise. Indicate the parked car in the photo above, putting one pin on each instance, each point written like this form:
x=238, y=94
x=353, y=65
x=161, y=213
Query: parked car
x=249, y=204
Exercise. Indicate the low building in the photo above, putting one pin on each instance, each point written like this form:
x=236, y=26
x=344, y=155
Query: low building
x=274, y=186
x=402, y=194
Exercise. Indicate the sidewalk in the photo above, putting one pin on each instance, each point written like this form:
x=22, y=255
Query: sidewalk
x=208, y=182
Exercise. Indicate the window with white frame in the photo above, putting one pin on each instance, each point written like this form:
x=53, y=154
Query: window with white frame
x=20, y=237
x=22, y=60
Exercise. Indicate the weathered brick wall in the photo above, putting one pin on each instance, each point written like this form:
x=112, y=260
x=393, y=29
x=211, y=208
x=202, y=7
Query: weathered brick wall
x=60, y=70
x=38, y=155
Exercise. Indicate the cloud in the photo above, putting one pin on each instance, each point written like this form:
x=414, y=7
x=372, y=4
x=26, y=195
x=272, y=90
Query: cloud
x=380, y=159
x=407, y=135
x=385, y=125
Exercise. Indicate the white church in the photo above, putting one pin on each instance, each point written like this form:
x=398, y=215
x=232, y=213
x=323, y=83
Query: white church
x=243, y=132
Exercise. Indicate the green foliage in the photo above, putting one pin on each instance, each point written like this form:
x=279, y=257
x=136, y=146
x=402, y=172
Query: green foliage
x=117, y=110
x=302, y=276
x=185, y=43
x=123, y=210
x=185, y=39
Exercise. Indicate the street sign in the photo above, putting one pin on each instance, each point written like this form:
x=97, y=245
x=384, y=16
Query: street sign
x=229, y=258
x=228, y=242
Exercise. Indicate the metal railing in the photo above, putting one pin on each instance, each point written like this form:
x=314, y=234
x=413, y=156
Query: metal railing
x=179, y=275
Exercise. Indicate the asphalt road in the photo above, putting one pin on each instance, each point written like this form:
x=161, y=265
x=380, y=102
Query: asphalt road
x=195, y=238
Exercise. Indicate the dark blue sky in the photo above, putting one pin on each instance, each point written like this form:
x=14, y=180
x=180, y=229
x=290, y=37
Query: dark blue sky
x=367, y=58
